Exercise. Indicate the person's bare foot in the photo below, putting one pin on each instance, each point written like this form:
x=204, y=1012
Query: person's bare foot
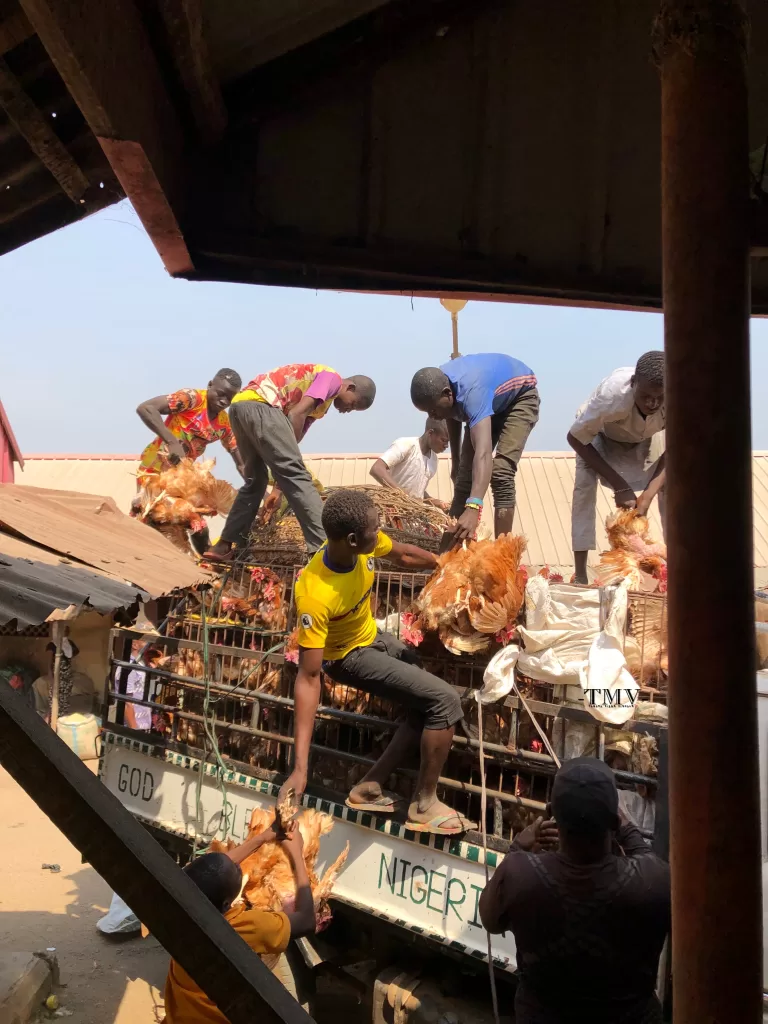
x=371, y=795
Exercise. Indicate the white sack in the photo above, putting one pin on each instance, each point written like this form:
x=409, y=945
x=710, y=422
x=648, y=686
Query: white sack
x=606, y=667
x=499, y=675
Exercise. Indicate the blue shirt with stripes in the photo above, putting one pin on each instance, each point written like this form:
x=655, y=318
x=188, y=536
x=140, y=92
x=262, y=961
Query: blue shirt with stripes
x=484, y=385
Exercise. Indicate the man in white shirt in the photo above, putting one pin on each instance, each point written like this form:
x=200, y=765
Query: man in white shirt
x=411, y=462
x=612, y=437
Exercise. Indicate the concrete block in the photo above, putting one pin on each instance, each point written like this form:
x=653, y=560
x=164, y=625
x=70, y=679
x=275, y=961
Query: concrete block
x=25, y=983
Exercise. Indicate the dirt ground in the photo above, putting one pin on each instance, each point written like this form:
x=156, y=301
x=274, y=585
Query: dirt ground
x=106, y=981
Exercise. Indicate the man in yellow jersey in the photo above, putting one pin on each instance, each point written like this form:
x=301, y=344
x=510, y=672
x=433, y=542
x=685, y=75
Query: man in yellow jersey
x=338, y=635
x=270, y=417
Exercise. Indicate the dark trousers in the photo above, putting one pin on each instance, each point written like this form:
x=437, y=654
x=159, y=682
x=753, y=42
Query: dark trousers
x=266, y=441
x=509, y=432
x=387, y=668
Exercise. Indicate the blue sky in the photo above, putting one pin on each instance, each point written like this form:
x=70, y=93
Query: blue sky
x=92, y=325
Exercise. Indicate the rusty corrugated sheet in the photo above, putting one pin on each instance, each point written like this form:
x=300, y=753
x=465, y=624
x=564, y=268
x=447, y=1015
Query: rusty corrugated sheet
x=92, y=530
x=30, y=591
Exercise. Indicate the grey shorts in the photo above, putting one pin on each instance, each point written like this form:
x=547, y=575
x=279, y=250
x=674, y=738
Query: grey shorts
x=387, y=668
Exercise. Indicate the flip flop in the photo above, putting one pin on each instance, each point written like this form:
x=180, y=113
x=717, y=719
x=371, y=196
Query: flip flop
x=438, y=826
x=385, y=804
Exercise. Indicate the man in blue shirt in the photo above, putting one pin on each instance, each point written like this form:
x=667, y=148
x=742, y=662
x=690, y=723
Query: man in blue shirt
x=496, y=396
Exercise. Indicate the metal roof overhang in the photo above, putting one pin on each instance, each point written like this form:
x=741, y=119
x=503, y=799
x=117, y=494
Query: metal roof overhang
x=497, y=149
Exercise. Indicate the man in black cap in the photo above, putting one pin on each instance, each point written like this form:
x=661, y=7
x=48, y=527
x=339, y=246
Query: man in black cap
x=589, y=923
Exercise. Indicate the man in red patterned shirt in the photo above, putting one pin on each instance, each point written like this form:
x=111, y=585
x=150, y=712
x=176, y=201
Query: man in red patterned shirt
x=270, y=416
x=194, y=419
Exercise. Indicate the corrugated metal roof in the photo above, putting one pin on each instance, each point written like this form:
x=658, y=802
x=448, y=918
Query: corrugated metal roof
x=30, y=591
x=92, y=530
x=544, y=494
x=544, y=490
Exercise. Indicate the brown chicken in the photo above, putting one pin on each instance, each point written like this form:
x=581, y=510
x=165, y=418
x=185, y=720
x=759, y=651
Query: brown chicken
x=269, y=882
x=634, y=555
x=475, y=593
x=177, y=499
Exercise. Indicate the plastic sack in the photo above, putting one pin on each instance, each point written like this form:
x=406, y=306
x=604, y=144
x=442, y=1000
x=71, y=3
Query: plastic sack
x=610, y=691
x=499, y=676
x=119, y=920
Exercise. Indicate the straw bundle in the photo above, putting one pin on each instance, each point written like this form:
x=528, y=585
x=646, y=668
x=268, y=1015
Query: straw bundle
x=403, y=518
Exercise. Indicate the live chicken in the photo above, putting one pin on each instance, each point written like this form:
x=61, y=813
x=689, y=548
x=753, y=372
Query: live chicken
x=269, y=882
x=475, y=593
x=176, y=500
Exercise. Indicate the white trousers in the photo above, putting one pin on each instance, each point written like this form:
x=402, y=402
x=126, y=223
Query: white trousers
x=635, y=462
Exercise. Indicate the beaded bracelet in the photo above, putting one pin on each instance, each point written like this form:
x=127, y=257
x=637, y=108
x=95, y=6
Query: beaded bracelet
x=471, y=504
x=474, y=502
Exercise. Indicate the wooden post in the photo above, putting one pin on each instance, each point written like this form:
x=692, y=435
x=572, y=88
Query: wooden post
x=135, y=866
x=57, y=635
x=714, y=798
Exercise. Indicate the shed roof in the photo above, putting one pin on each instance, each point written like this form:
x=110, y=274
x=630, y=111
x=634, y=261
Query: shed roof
x=32, y=591
x=93, y=531
x=484, y=148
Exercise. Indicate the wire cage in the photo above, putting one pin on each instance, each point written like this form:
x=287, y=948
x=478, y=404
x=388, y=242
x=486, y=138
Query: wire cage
x=223, y=677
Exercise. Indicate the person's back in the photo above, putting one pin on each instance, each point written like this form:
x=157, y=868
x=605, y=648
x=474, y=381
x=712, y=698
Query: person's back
x=266, y=932
x=589, y=924
x=588, y=936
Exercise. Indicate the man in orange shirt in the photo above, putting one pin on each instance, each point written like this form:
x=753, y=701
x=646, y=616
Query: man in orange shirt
x=194, y=419
x=219, y=877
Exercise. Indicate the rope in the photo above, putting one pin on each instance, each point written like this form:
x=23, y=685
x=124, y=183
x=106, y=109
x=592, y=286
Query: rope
x=211, y=743
x=483, y=815
x=539, y=730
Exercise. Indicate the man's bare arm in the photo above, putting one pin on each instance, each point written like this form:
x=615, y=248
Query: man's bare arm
x=381, y=474
x=151, y=415
x=596, y=462
x=454, y=438
x=298, y=415
x=306, y=697
x=237, y=458
x=657, y=482
x=412, y=557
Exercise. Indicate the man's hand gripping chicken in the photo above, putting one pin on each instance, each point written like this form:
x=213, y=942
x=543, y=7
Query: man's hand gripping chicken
x=338, y=635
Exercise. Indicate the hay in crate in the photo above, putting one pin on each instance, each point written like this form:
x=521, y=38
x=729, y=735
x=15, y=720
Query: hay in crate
x=403, y=518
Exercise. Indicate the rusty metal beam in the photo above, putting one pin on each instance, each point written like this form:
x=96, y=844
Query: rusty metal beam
x=714, y=813
x=125, y=855
x=40, y=136
x=184, y=25
x=103, y=54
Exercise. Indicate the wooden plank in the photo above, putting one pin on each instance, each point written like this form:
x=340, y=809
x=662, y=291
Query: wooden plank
x=139, y=181
x=103, y=53
x=14, y=30
x=126, y=856
x=40, y=136
x=186, y=37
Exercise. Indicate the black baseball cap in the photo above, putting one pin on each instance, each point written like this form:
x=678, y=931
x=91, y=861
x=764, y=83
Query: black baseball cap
x=584, y=795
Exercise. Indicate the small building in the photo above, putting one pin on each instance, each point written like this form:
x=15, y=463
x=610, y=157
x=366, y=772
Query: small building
x=9, y=449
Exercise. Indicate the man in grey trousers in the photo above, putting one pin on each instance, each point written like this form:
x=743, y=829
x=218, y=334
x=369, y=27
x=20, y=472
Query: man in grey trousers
x=269, y=418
